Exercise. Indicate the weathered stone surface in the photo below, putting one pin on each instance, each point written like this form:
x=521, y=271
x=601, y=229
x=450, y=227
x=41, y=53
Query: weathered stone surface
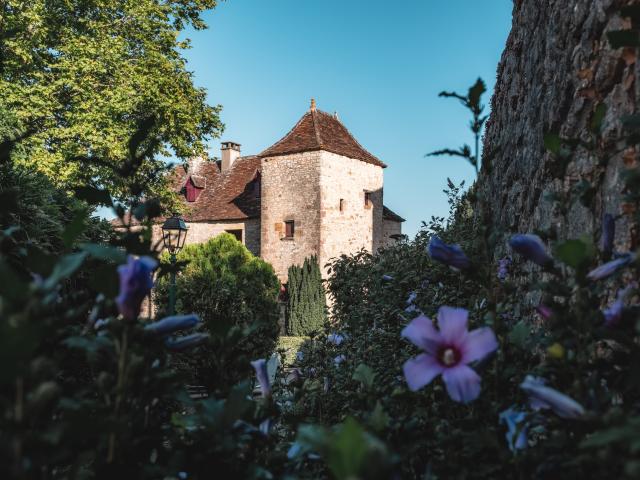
x=309, y=188
x=557, y=67
x=200, y=232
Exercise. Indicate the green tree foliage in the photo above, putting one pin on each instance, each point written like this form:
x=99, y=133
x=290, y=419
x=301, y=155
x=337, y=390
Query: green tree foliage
x=235, y=294
x=82, y=76
x=306, y=309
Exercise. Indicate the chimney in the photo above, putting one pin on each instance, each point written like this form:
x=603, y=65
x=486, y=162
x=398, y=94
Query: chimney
x=230, y=153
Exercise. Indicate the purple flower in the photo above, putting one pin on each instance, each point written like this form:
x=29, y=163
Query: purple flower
x=609, y=268
x=448, y=351
x=387, y=278
x=135, y=284
x=410, y=306
x=613, y=313
x=544, y=311
x=339, y=359
x=503, y=268
x=169, y=325
x=451, y=255
x=265, y=427
x=608, y=233
x=335, y=338
x=260, y=367
x=516, y=430
x=531, y=247
x=178, y=344
x=543, y=397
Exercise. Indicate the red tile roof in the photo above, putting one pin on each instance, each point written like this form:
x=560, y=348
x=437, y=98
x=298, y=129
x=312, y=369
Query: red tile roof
x=228, y=195
x=318, y=130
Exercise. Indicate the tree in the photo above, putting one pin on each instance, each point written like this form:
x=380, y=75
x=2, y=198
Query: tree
x=307, y=306
x=84, y=75
x=235, y=294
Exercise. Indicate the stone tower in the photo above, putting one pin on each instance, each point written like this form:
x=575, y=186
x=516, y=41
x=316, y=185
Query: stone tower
x=321, y=195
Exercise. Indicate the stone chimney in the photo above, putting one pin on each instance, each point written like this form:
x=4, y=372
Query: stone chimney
x=230, y=153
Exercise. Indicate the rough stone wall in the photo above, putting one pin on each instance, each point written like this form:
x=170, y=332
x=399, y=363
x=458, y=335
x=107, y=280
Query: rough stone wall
x=390, y=227
x=357, y=226
x=290, y=191
x=200, y=232
x=556, y=68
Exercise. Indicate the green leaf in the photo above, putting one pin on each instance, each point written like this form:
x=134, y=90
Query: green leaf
x=574, y=253
x=475, y=92
x=94, y=196
x=624, y=38
x=631, y=122
x=598, y=116
x=65, y=267
x=379, y=420
x=364, y=375
x=349, y=450
x=520, y=334
x=104, y=252
x=104, y=279
x=75, y=228
x=552, y=142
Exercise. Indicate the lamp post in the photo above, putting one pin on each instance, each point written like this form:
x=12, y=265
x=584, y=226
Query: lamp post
x=174, y=233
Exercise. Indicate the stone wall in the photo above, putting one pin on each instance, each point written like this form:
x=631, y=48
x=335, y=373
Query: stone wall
x=357, y=225
x=290, y=191
x=200, y=232
x=390, y=227
x=557, y=67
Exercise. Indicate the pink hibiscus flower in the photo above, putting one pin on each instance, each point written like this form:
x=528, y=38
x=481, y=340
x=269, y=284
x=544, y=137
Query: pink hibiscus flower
x=448, y=351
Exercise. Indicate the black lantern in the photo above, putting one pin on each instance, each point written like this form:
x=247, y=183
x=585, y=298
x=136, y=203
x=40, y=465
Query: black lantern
x=174, y=233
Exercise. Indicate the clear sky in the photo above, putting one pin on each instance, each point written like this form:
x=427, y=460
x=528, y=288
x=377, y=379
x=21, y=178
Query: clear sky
x=380, y=65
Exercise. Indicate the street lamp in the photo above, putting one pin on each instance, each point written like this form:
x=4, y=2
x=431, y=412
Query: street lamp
x=174, y=233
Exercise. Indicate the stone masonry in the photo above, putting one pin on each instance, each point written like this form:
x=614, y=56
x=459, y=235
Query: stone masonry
x=316, y=191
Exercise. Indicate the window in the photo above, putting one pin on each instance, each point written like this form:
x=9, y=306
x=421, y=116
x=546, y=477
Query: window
x=342, y=204
x=236, y=233
x=367, y=199
x=192, y=189
x=289, y=229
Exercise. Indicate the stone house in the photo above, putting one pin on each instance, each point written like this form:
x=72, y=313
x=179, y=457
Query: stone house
x=316, y=191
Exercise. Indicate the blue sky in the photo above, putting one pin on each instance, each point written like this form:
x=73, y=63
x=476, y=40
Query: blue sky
x=380, y=65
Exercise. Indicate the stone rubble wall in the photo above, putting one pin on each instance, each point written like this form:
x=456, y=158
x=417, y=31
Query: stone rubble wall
x=357, y=226
x=290, y=191
x=200, y=232
x=389, y=228
x=557, y=67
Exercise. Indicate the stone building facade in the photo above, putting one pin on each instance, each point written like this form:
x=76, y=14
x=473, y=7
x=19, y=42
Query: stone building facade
x=316, y=191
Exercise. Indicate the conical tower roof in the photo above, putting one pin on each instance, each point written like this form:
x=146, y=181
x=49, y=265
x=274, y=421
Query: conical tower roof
x=318, y=130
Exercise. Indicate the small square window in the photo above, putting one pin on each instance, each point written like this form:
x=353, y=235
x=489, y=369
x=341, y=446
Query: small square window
x=367, y=199
x=289, y=229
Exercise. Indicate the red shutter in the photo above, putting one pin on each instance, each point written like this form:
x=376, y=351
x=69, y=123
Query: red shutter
x=191, y=191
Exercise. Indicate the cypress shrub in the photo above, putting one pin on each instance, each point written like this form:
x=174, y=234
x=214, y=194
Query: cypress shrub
x=306, y=309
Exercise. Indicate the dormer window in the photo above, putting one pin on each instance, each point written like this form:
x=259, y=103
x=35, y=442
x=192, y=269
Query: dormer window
x=193, y=188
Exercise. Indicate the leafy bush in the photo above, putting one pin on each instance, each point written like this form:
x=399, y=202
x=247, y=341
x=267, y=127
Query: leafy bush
x=235, y=294
x=307, y=304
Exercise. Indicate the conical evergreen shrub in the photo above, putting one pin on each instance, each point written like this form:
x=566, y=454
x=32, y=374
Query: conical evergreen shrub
x=306, y=309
